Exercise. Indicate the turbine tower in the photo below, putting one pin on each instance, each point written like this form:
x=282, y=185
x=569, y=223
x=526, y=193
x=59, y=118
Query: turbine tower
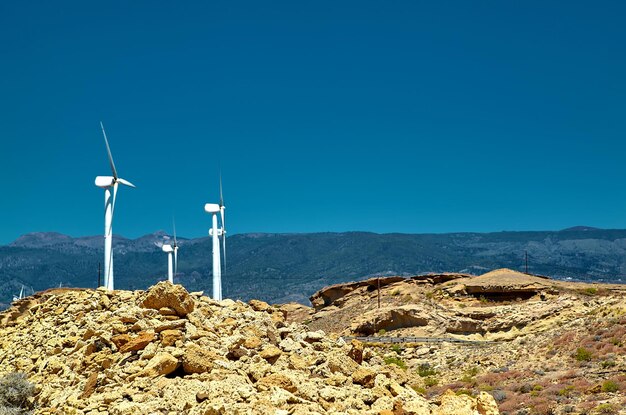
x=170, y=272
x=175, y=248
x=171, y=249
x=219, y=235
x=108, y=183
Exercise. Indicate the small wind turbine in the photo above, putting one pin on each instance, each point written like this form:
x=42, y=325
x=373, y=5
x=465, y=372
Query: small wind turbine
x=218, y=234
x=170, y=272
x=171, y=249
x=108, y=182
x=15, y=298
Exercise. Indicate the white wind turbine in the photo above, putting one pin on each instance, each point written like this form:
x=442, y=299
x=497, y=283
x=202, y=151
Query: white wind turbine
x=219, y=235
x=16, y=298
x=171, y=249
x=108, y=182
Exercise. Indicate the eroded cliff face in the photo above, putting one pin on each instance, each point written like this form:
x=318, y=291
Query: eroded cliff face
x=539, y=346
x=166, y=351
x=499, y=305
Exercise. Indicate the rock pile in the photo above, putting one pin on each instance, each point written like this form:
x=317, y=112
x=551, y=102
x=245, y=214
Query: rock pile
x=165, y=351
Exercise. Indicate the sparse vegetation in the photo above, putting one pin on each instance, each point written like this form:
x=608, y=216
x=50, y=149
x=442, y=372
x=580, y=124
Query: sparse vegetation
x=419, y=389
x=396, y=348
x=431, y=381
x=610, y=386
x=395, y=361
x=589, y=291
x=425, y=370
x=15, y=391
x=583, y=355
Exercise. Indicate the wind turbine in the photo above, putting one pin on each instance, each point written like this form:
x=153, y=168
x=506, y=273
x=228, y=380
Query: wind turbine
x=170, y=272
x=108, y=182
x=218, y=234
x=175, y=247
x=15, y=298
x=171, y=249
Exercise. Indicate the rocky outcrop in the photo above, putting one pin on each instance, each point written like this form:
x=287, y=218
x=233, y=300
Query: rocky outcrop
x=328, y=295
x=390, y=319
x=95, y=352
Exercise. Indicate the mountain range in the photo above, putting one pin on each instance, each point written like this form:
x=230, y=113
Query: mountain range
x=281, y=268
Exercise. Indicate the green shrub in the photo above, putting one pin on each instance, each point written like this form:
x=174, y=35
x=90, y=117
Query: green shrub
x=381, y=332
x=425, y=370
x=469, y=375
x=395, y=361
x=607, y=364
x=566, y=391
x=396, y=349
x=610, y=386
x=583, y=355
x=430, y=381
x=420, y=390
x=15, y=390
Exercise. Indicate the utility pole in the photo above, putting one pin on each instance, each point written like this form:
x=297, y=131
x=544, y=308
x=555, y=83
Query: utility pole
x=98, y=275
x=526, y=254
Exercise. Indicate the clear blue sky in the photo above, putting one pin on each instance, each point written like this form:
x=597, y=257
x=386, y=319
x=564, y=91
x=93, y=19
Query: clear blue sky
x=326, y=116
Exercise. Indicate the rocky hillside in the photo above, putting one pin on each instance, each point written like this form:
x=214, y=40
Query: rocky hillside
x=539, y=346
x=281, y=268
x=165, y=351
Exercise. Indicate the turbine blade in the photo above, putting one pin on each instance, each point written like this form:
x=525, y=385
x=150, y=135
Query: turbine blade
x=175, y=261
x=222, y=215
x=108, y=151
x=113, y=204
x=174, y=223
x=221, y=197
x=125, y=182
x=224, y=248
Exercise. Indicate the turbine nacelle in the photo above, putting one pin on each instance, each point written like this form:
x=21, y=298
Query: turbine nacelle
x=108, y=181
x=167, y=248
x=212, y=208
x=105, y=181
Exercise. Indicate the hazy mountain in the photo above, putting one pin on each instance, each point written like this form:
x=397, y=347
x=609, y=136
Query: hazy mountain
x=290, y=267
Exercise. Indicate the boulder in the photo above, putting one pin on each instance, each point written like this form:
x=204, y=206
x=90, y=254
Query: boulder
x=486, y=404
x=161, y=364
x=169, y=337
x=198, y=360
x=137, y=343
x=167, y=295
x=270, y=353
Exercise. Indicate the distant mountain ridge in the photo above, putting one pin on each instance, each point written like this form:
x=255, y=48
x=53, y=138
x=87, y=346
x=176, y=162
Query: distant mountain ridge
x=291, y=267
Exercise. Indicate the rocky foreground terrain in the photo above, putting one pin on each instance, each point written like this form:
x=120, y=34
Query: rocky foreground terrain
x=165, y=351
x=539, y=346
